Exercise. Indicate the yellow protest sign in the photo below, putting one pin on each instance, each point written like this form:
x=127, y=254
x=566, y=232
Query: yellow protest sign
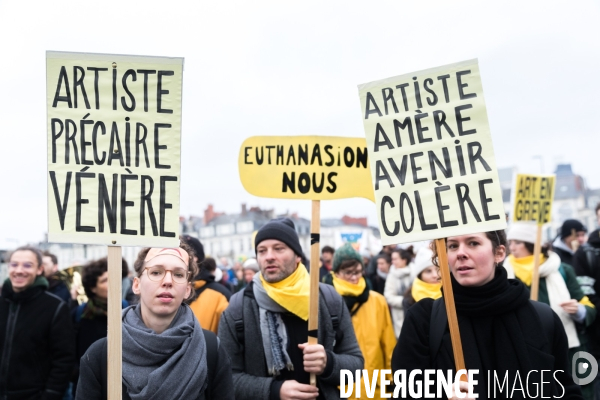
x=533, y=196
x=114, y=129
x=305, y=167
x=430, y=149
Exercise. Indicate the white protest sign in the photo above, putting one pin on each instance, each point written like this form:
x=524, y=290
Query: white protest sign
x=431, y=155
x=114, y=134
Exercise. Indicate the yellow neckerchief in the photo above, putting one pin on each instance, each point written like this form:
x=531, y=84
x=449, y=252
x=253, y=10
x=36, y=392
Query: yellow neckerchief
x=292, y=293
x=523, y=267
x=345, y=288
x=422, y=289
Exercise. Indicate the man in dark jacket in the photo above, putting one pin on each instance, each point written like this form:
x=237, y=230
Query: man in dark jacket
x=36, y=335
x=56, y=285
x=586, y=263
x=270, y=356
x=572, y=235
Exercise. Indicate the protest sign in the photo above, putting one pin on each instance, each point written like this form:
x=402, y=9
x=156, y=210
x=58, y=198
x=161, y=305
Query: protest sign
x=432, y=163
x=114, y=127
x=312, y=168
x=532, y=202
x=305, y=167
x=533, y=196
x=430, y=150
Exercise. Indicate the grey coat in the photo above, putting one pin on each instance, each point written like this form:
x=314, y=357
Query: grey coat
x=250, y=377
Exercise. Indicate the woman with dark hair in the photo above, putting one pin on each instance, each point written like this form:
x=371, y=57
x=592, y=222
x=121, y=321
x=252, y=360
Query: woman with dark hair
x=503, y=333
x=396, y=284
x=377, y=280
x=90, y=319
x=166, y=354
x=558, y=287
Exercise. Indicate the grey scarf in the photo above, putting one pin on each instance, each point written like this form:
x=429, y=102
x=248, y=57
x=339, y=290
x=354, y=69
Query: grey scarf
x=272, y=328
x=171, y=365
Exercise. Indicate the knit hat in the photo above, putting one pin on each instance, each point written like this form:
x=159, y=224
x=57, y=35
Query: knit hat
x=345, y=253
x=251, y=263
x=281, y=229
x=569, y=225
x=196, y=246
x=422, y=261
x=522, y=231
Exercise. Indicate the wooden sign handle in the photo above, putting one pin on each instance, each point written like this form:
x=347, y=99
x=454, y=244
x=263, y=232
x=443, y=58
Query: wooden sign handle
x=114, y=362
x=313, y=310
x=459, y=359
x=537, y=250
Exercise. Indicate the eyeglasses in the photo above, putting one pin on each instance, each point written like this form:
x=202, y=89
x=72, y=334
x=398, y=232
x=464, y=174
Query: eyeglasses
x=352, y=274
x=26, y=265
x=157, y=274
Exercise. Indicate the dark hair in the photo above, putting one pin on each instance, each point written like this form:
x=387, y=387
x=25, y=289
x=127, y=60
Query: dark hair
x=498, y=238
x=386, y=257
x=597, y=208
x=34, y=250
x=327, y=249
x=90, y=274
x=52, y=257
x=530, y=248
x=124, y=269
x=406, y=254
x=346, y=264
x=209, y=264
x=138, y=265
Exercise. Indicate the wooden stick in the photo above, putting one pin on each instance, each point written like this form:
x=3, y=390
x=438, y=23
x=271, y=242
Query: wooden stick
x=313, y=310
x=537, y=250
x=459, y=359
x=114, y=339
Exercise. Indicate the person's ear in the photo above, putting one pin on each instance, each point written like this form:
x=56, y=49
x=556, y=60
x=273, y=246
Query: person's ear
x=40, y=270
x=188, y=291
x=500, y=254
x=135, y=287
x=298, y=260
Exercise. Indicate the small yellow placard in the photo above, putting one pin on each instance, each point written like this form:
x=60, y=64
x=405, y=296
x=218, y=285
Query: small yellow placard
x=306, y=167
x=533, y=198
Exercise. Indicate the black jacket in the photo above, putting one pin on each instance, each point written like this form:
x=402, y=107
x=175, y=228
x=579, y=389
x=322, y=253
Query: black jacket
x=499, y=332
x=36, y=343
x=588, y=277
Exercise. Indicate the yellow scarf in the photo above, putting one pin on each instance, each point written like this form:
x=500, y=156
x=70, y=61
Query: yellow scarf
x=523, y=267
x=345, y=288
x=292, y=293
x=422, y=289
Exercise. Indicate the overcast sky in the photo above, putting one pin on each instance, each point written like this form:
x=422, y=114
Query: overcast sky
x=292, y=68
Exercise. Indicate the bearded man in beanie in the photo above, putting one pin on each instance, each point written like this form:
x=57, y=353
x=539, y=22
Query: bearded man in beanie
x=265, y=327
x=369, y=310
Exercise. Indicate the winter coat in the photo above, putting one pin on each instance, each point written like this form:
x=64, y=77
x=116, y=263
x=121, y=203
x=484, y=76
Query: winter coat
x=212, y=301
x=93, y=376
x=396, y=284
x=36, y=343
x=501, y=333
x=564, y=252
x=375, y=335
x=250, y=377
x=88, y=331
x=588, y=277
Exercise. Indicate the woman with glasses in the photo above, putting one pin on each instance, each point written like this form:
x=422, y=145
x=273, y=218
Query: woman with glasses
x=370, y=313
x=166, y=354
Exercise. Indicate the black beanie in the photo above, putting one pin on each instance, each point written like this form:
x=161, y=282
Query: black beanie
x=569, y=225
x=196, y=246
x=281, y=229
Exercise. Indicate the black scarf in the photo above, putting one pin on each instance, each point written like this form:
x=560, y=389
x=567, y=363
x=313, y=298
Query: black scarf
x=497, y=328
x=352, y=302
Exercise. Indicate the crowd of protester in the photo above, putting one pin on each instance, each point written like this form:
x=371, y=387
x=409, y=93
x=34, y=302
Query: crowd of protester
x=198, y=328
